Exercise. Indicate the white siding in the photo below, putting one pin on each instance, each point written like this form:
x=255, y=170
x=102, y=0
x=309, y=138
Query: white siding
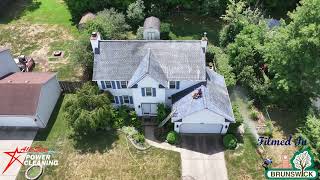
x=117, y=92
x=49, y=96
x=138, y=98
x=22, y=121
x=204, y=117
x=7, y=64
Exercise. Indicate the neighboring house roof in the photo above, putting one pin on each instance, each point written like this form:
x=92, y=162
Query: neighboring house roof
x=152, y=22
x=7, y=64
x=20, y=92
x=215, y=97
x=87, y=17
x=120, y=60
x=149, y=66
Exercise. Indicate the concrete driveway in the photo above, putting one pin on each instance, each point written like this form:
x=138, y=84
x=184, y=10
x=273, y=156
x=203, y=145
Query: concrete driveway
x=10, y=139
x=202, y=158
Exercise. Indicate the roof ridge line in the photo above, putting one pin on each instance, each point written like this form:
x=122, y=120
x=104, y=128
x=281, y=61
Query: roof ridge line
x=148, y=56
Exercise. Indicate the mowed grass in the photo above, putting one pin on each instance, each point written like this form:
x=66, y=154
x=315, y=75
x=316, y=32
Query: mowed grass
x=190, y=26
x=244, y=163
x=103, y=155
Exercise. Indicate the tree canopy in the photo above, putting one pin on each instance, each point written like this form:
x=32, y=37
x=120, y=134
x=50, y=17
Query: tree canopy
x=88, y=111
x=110, y=23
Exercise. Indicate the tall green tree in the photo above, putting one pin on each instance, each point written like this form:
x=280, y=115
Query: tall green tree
x=88, y=111
x=247, y=60
x=294, y=57
x=110, y=23
x=82, y=55
x=135, y=13
x=237, y=16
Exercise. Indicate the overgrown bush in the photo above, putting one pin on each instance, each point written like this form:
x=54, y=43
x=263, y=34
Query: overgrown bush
x=139, y=138
x=88, y=110
x=162, y=112
x=254, y=114
x=230, y=141
x=126, y=116
x=139, y=34
x=110, y=23
x=221, y=60
x=165, y=31
x=238, y=117
x=172, y=137
x=268, y=129
x=129, y=130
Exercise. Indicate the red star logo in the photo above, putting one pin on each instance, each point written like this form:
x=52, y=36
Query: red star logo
x=13, y=158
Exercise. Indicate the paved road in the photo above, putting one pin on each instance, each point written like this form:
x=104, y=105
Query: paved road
x=10, y=139
x=202, y=158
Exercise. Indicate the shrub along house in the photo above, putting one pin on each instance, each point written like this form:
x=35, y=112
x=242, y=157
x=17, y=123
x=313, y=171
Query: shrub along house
x=144, y=73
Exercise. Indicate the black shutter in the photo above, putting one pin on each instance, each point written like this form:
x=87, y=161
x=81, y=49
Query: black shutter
x=118, y=85
x=103, y=85
x=121, y=99
x=131, y=99
x=113, y=85
x=178, y=85
x=143, y=92
x=116, y=99
x=154, y=92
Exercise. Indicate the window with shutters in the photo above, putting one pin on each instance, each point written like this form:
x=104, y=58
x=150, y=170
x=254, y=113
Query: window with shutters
x=148, y=91
x=108, y=84
x=174, y=84
x=126, y=99
x=123, y=84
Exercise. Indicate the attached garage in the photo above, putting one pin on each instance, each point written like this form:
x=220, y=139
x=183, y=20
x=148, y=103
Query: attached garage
x=200, y=128
x=204, y=108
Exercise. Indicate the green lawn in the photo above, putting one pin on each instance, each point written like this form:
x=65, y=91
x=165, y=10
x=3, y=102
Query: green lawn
x=244, y=162
x=104, y=155
x=186, y=26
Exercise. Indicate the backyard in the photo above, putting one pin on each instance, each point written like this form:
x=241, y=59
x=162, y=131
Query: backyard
x=104, y=155
x=37, y=29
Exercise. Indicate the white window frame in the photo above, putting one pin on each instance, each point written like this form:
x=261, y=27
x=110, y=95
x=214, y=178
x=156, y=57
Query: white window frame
x=124, y=86
x=124, y=99
x=174, y=84
x=108, y=84
x=151, y=93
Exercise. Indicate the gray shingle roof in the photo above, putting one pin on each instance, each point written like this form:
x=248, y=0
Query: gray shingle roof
x=215, y=98
x=152, y=22
x=149, y=66
x=179, y=60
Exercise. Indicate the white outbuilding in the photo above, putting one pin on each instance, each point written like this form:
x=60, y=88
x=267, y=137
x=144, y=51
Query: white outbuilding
x=28, y=99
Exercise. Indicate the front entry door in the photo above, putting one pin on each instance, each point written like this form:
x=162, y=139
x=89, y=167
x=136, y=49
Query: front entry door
x=149, y=109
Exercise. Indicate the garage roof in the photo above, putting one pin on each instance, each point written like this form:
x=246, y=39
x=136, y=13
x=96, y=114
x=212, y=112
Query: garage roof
x=215, y=97
x=20, y=92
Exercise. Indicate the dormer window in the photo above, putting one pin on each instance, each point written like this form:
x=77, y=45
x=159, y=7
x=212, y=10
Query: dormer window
x=123, y=84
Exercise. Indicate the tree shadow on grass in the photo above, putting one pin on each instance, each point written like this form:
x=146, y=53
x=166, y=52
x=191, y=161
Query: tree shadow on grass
x=192, y=26
x=100, y=141
x=14, y=9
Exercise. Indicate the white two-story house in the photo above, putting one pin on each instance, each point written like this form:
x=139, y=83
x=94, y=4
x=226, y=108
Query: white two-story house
x=144, y=73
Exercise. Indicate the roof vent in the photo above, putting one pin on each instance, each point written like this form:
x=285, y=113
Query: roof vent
x=197, y=94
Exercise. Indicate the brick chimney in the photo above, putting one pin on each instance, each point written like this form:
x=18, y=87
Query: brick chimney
x=204, y=42
x=94, y=39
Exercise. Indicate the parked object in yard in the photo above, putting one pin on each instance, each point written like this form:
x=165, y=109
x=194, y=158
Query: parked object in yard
x=25, y=64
